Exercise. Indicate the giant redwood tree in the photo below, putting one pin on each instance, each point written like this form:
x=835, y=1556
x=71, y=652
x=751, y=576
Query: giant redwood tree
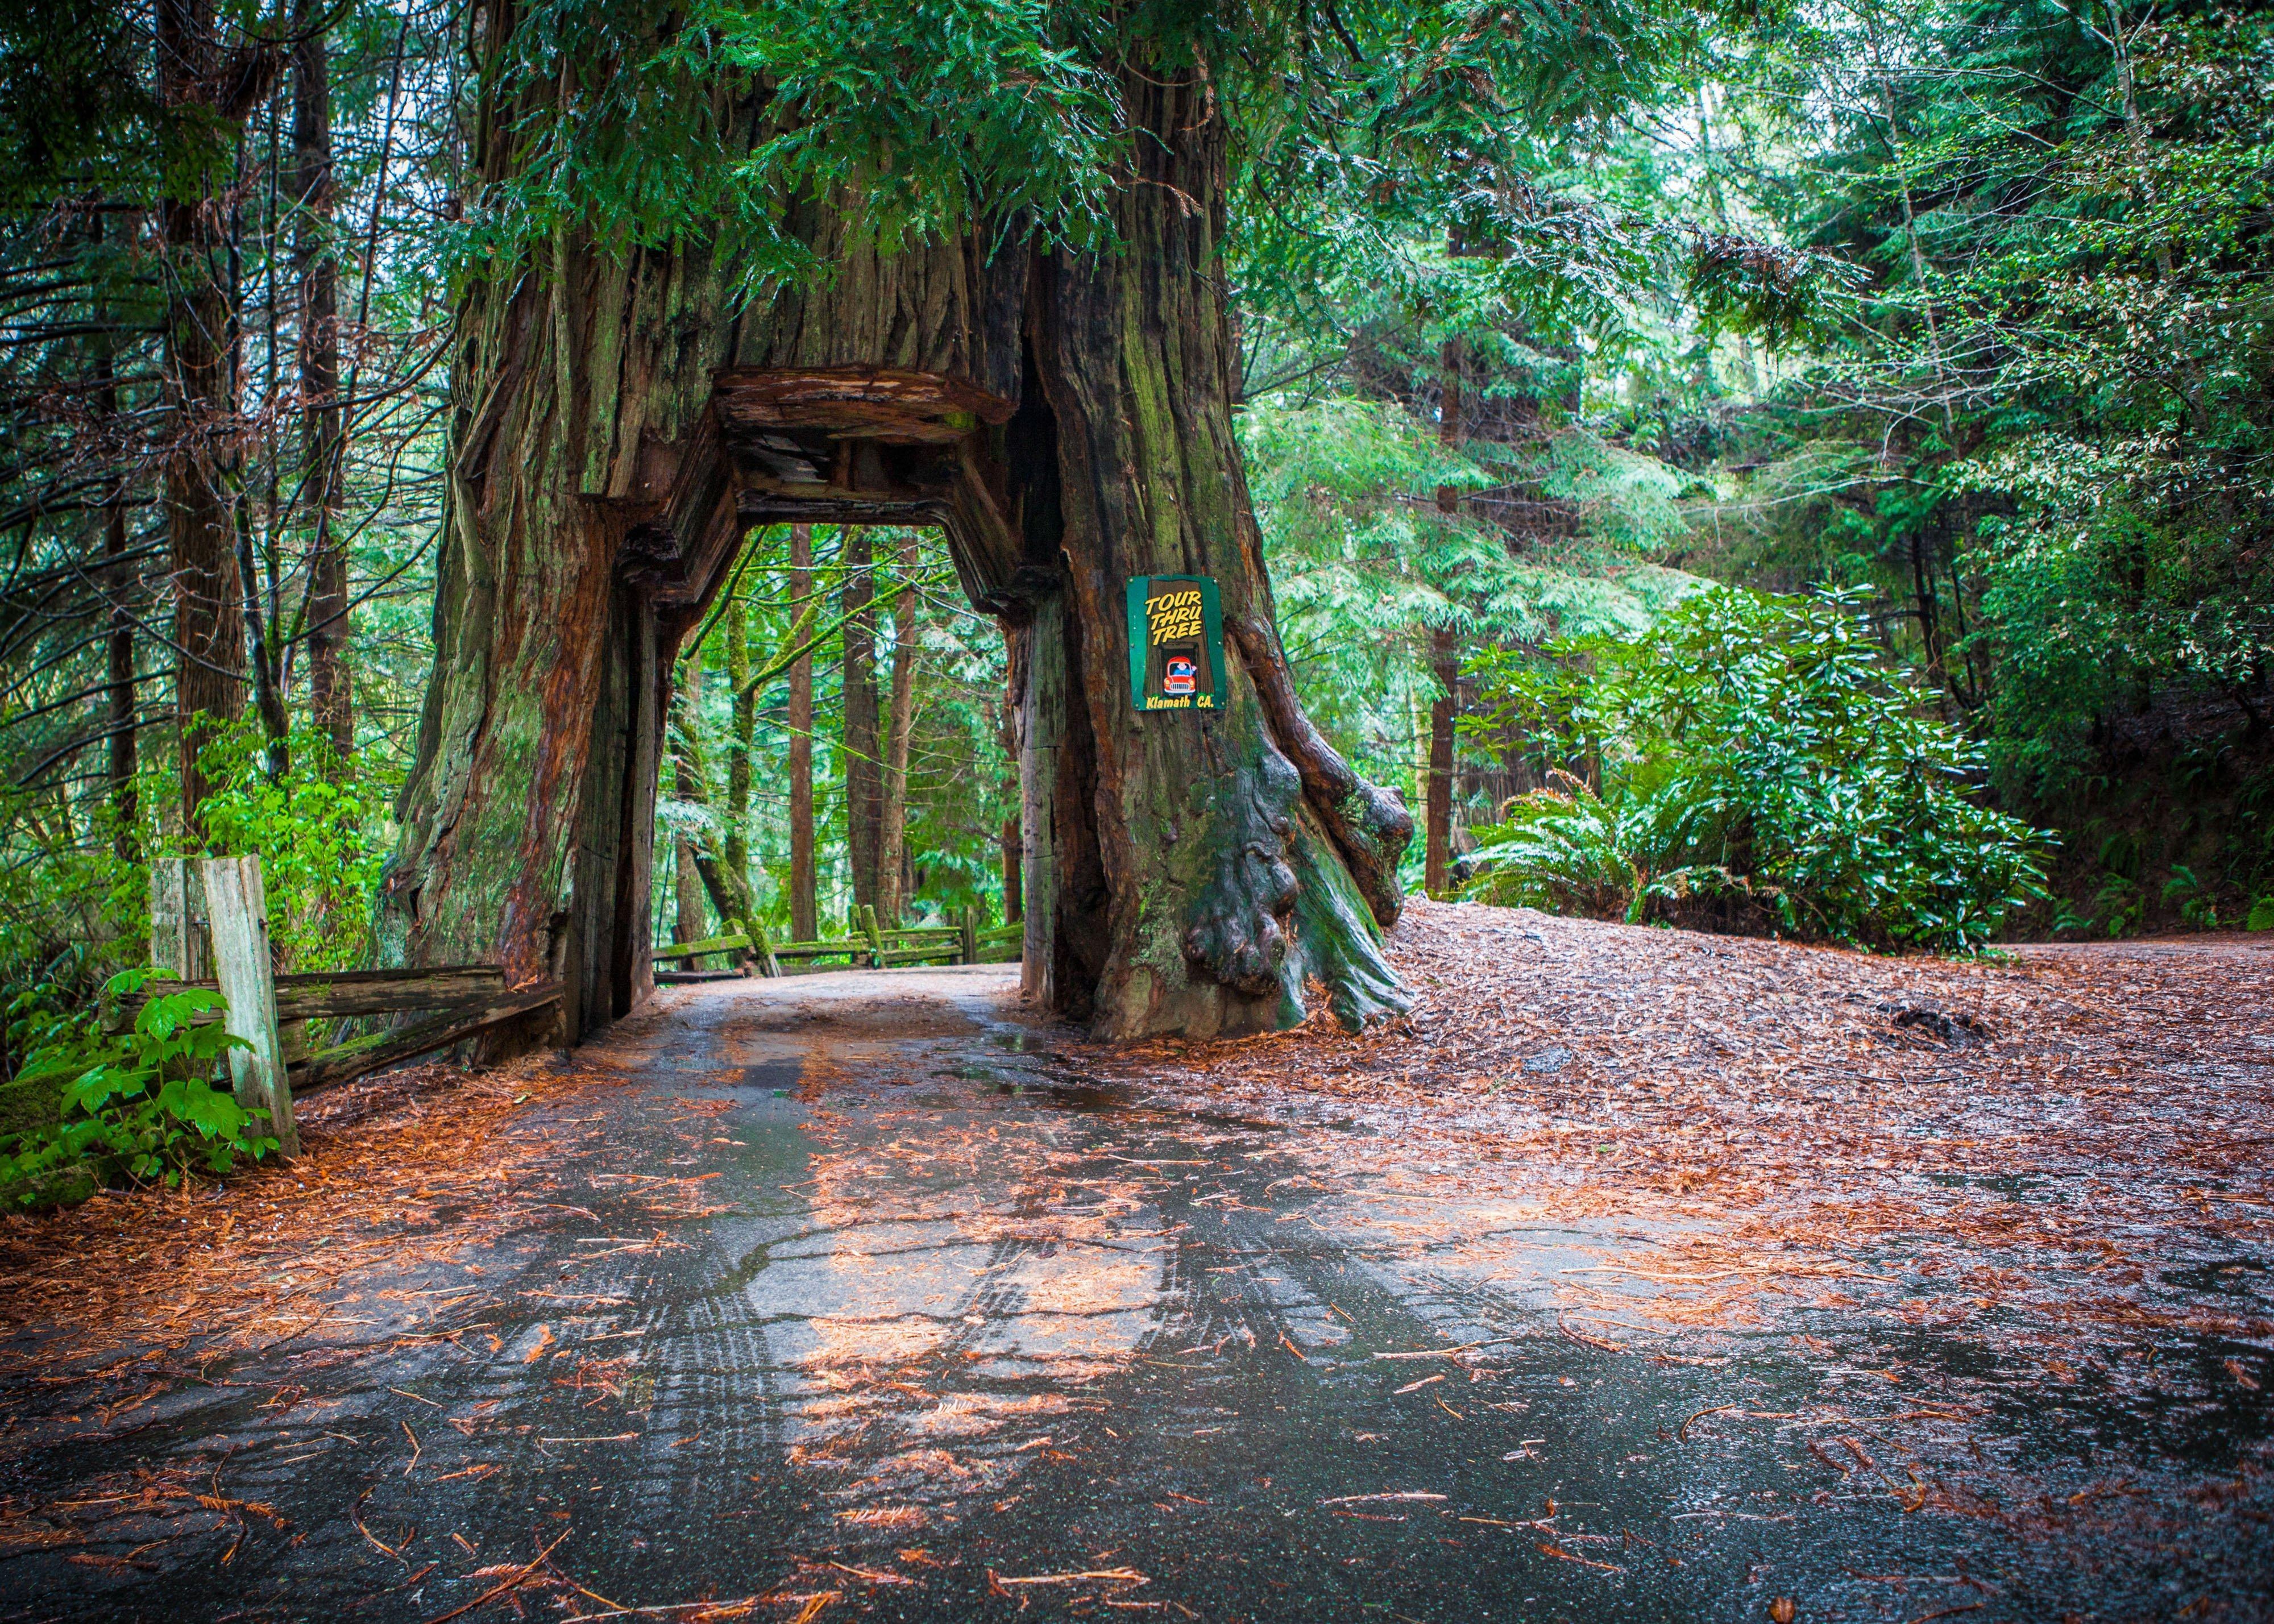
x=939, y=262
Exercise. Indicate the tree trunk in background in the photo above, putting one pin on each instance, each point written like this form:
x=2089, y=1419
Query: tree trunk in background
x=330, y=692
x=1445, y=665
x=864, y=776
x=738, y=746
x=1014, y=907
x=199, y=473
x=118, y=580
x=119, y=720
x=892, y=823
x=804, y=920
x=687, y=786
x=1240, y=857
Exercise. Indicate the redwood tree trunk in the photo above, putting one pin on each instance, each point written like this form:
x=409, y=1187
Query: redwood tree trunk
x=619, y=425
x=737, y=815
x=1241, y=859
x=1445, y=665
x=900, y=718
x=804, y=921
x=200, y=464
x=864, y=774
x=687, y=766
x=330, y=694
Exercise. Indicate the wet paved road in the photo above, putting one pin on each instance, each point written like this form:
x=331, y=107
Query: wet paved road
x=861, y=1315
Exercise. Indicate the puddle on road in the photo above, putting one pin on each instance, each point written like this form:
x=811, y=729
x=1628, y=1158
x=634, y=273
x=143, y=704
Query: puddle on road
x=932, y=1329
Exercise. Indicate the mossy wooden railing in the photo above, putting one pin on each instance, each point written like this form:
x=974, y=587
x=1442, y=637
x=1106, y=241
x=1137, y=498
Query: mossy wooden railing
x=211, y=915
x=866, y=944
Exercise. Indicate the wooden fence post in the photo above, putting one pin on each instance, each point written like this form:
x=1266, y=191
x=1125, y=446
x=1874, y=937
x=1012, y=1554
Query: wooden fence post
x=240, y=909
x=970, y=954
x=178, y=941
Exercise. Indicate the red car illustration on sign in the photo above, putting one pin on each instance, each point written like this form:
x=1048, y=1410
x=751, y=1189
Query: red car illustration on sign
x=1180, y=675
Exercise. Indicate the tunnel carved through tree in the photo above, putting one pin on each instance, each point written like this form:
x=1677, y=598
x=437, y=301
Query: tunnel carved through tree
x=1065, y=418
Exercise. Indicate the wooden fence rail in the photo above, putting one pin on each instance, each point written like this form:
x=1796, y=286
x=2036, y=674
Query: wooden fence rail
x=212, y=914
x=966, y=941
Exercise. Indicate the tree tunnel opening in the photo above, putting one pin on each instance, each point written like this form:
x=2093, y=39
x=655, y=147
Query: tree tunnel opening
x=838, y=737
x=850, y=455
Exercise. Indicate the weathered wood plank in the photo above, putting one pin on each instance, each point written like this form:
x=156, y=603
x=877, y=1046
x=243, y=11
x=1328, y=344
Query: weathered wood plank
x=178, y=943
x=239, y=907
x=340, y=995
x=735, y=944
x=948, y=954
x=870, y=402
x=332, y=1067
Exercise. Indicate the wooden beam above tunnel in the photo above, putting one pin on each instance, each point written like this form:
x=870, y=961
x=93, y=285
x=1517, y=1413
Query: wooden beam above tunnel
x=846, y=402
x=828, y=446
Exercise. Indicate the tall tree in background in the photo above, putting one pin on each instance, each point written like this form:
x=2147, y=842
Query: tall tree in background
x=804, y=914
x=864, y=774
x=120, y=718
x=893, y=817
x=316, y=266
x=744, y=725
x=1444, y=659
x=207, y=92
x=688, y=923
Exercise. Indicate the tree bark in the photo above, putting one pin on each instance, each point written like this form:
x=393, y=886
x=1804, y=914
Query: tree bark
x=1066, y=418
x=687, y=884
x=804, y=919
x=200, y=85
x=1014, y=908
x=1445, y=665
x=330, y=682
x=864, y=777
x=892, y=821
x=118, y=650
x=1241, y=859
x=737, y=815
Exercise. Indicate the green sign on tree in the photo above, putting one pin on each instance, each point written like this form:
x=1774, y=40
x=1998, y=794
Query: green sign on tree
x=1175, y=644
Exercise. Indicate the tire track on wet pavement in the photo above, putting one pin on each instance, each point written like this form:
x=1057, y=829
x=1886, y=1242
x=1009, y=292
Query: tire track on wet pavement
x=897, y=1309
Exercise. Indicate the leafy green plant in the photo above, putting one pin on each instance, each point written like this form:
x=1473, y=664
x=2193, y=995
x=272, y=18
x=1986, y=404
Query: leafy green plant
x=1752, y=755
x=139, y=1105
x=2197, y=900
x=320, y=835
x=2120, y=900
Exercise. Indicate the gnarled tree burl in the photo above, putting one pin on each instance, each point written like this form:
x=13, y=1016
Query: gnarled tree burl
x=1065, y=417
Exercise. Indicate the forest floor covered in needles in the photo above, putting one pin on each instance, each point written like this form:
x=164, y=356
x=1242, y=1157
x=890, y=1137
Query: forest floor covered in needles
x=2050, y=1128
x=1636, y=1270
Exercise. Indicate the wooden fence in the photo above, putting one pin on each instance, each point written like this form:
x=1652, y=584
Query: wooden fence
x=209, y=928
x=966, y=942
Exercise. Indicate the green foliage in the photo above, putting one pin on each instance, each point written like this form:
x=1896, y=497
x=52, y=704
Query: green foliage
x=1754, y=755
x=319, y=834
x=1365, y=564
x=137, y=1105
x=918, y=117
